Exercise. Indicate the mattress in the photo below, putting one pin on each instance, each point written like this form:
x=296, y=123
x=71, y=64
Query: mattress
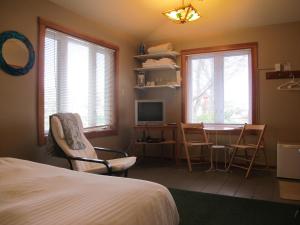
x=33, y=193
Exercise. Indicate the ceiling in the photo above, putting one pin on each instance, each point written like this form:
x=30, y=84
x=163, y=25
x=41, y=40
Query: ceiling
x=143, y=18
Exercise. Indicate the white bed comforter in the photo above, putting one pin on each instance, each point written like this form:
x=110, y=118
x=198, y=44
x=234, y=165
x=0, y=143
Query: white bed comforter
x=33, y=193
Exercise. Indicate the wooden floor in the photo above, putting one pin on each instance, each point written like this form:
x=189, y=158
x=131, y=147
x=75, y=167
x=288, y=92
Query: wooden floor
x=260, y=185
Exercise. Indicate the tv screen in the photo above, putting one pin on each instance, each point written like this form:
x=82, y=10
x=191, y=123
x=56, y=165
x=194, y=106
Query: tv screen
x=148, y=111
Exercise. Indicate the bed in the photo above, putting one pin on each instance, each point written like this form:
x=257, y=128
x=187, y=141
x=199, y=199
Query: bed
x=34, y=193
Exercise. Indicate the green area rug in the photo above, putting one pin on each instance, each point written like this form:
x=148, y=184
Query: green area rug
x=196, y=208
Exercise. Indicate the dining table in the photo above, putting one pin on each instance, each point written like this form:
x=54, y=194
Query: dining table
x=216, y=130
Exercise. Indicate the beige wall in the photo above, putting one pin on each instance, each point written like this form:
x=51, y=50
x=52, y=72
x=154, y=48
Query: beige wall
x=277, y=44
x=18, y=95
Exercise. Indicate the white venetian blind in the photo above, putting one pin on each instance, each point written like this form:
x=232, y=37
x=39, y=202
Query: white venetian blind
x=79, y=78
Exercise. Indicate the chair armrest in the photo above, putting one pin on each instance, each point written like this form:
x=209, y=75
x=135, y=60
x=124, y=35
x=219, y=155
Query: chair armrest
x=102, y=161
x=111, y=150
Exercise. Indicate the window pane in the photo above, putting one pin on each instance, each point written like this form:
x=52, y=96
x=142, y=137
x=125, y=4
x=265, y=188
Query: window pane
x=100, y=93
x=236, y=89
x=219, y=87
x=50, y=80
x=77, y=80
x=202, y=93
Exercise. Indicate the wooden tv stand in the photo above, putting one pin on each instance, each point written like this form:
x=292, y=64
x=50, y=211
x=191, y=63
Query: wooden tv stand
x=141, y=132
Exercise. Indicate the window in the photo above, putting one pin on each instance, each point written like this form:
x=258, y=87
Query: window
x=79, y=75
x=219, y=86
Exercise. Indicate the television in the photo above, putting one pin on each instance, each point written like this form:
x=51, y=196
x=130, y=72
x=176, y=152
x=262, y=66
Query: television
x=149, y=112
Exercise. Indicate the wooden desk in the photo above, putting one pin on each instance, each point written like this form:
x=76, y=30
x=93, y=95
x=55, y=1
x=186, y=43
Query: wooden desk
x=143, y=132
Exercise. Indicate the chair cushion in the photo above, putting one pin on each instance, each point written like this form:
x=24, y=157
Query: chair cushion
x=118, y=164
x=59, y=128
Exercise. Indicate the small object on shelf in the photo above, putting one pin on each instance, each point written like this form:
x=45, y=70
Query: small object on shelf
x=160, y=48
x=172, y=83
x=278, y=67
x=178, y=77
x=154, y=140
x=150, y=83
x=287, y=66
x=141, y=79
x=142, y=49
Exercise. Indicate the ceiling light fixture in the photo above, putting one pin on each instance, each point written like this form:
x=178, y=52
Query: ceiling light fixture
x=183, y=14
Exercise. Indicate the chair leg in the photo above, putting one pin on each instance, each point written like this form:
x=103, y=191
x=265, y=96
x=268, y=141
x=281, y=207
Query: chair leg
x=188, y=157
x=177, y=153
x=211, y=150
x=126, y=173
x=231, y=159
x=246, y=154
x=251, y=164
x=225, y=158
x=266, y=159
x=70, y=163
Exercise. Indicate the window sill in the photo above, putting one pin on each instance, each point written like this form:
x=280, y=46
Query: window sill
x=223, y=125
x=96, y=132
x=89, y=133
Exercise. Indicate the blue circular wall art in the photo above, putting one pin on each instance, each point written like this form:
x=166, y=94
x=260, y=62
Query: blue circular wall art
x=10, y=69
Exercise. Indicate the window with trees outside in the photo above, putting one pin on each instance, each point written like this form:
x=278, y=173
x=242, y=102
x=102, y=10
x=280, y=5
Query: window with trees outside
x=220, y=86
x=78, y=75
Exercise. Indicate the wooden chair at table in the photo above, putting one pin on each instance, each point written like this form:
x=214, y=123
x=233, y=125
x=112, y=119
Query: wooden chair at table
x=201, y=140
x=243, y=144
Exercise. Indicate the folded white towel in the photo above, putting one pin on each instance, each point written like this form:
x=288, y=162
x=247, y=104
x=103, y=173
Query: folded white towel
x=149, y=64
x=151, y=61
x=166, y=60
x=160, y=62
x=160, y=48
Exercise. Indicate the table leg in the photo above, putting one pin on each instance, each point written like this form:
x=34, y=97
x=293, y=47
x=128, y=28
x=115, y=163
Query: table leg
x=211, y=160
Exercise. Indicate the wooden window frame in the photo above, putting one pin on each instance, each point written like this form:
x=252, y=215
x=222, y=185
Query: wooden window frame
x=253, y=46
x=92, y=132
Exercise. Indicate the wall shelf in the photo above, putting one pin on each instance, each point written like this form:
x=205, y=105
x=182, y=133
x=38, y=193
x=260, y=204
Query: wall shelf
x=168, y=136
x=159, y=67
x=158, y=86
x=156, y=73
x=170, y=54
x=282, y=74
